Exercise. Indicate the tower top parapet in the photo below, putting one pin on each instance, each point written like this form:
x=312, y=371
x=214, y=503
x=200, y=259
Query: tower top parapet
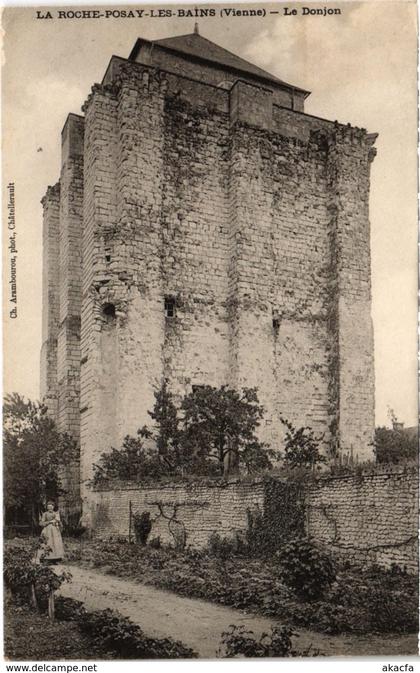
x=195, y=56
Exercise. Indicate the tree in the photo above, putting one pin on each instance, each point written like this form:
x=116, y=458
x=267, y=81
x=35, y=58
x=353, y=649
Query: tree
x=214, y=434
x=34, y=454
x=166, y=433
x=132, y=462
x=301, y=446
x=220, y=428
x=155, y=452
x=395, y=445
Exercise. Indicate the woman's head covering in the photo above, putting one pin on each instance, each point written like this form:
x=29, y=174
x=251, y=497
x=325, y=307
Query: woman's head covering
x=50, y=502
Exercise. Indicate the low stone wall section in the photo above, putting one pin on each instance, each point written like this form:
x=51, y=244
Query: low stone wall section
x=370, y=519
x=366, y=519
x=199, y=510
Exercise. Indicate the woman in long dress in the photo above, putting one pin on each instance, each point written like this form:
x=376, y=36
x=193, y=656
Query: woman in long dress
x=51, y=535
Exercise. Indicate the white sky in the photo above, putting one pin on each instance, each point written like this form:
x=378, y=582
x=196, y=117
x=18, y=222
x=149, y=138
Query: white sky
x=361, y=68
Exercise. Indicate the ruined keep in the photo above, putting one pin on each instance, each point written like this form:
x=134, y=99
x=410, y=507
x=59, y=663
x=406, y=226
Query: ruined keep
x=206, y=230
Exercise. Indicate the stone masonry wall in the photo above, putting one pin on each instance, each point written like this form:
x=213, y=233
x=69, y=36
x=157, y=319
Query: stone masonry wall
x=194, y=509
x=215, y=74
x=236, y=217
x=50, y=297
x=194, y=250
x=371, y=519
x=70, y=273
x=98, y=382
x=348, y=169
x=251, y=219
x=187, y=88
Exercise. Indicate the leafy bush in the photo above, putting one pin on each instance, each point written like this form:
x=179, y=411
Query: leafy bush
x=395, y=445
x=278, y=643
x=363, y=601
x=18, y=567
x=221, y=547
x=305, y=569
x=142, y=527
x=133, y=461
x=20, y=571
x=47, y=580
x=302, y=447
x=112, y=631
x=375, y=599
x=119, y=539
x=67, y=609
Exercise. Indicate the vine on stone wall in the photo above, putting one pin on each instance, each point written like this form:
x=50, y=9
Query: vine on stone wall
x=283, y=517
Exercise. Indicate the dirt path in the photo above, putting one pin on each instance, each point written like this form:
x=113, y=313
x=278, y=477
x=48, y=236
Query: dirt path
x=199, y=624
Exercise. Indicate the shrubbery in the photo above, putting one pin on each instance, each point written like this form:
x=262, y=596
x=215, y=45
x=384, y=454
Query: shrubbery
x=302, y=447
x=21, y=572
x=238, y=642
x=142, y=527
x=395, y=445
x=67, y=609
x=126, y=640
x=222, y=547
x=350, y=604
x=18, y=567
x=305, y=569
x=374, y=599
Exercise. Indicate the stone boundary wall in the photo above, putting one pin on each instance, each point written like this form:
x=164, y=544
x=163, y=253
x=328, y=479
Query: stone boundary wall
x=369, y=519
x=372, y=518
x=199, y=510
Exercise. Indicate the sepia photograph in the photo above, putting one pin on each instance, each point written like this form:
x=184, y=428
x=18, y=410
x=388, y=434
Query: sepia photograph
x=210, y=416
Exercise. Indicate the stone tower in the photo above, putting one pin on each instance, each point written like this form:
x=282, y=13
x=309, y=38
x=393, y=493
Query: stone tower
x=206, y=230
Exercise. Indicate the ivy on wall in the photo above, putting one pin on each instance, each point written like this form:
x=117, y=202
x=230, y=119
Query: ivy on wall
x=283, y=517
